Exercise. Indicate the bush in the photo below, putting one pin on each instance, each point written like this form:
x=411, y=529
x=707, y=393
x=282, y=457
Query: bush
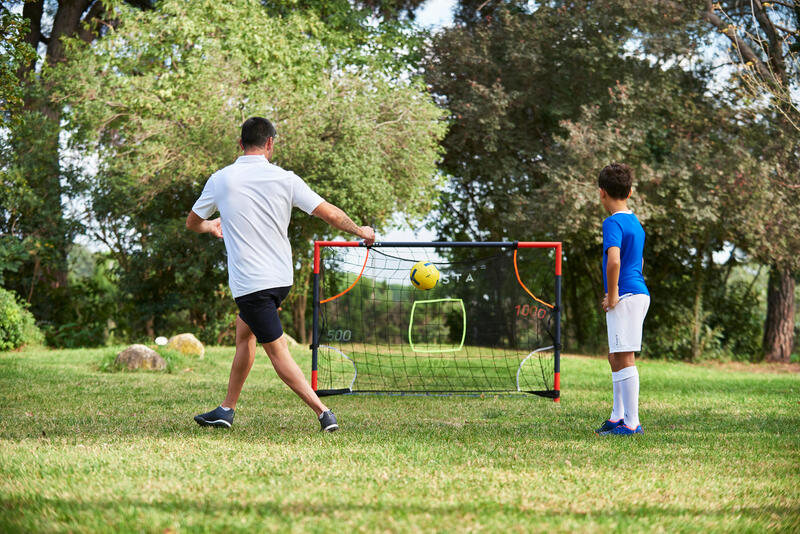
x=76, y=335
x=738, y=314
x=17, y=325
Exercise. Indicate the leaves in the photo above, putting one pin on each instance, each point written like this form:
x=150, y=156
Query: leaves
x=159, y=101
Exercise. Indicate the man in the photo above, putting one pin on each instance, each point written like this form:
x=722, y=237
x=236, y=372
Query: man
x=255, y=200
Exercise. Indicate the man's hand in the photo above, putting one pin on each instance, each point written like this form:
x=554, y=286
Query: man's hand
x=339, y=220
x=215, y=227
x=367, y=233
x=195, y=223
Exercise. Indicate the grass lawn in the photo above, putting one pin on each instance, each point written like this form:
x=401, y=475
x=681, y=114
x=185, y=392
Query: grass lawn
x=86, y=451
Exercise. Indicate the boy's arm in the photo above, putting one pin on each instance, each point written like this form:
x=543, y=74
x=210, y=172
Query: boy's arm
x=612, y=273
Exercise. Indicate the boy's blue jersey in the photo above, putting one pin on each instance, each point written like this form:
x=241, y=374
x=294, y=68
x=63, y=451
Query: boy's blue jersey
x=623, y=230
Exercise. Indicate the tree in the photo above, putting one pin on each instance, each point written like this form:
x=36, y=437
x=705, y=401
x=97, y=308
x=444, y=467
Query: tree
x=32, y=218
x=162, y=113
x=510, y=76
x=764, y=43
x=543, y=97
x=15, y=53
x=692, y=167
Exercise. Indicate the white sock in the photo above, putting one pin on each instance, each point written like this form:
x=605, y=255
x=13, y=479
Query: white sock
x=224, y=408
x=620, y=378
x=629, y=385
x=618, y=411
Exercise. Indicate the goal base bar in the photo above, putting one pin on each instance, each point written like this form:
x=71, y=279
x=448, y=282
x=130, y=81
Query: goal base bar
x=550, y=394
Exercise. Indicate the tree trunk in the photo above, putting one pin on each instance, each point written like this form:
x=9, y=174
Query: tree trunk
x=697, y=308
x=299, y=318
x=779, y=326
x=574, y=317
x=150, y=327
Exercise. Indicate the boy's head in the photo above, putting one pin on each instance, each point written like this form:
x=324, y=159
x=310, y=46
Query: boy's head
x=616, y=180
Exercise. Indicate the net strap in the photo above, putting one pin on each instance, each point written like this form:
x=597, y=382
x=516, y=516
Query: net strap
x=366, y=257
x=516, y=271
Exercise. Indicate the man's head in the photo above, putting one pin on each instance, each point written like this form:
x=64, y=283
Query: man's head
x=616, y=180
x=258, y=134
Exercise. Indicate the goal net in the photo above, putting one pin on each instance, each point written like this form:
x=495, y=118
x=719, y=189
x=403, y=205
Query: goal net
x=490, y=325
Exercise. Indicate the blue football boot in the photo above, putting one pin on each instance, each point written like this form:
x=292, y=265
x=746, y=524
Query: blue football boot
x=608, y=426
x=625, y=430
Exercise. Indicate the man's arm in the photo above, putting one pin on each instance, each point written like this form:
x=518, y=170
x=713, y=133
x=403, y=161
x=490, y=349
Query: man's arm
x=339, y=220
x=613, y=266
x=195, y=223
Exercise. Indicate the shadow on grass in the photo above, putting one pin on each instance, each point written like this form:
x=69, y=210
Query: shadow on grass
x=436, y=427
x=69, y=512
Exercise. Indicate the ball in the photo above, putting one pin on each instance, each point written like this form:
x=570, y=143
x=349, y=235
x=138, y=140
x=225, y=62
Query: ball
x=161, y=341
x=424, y=275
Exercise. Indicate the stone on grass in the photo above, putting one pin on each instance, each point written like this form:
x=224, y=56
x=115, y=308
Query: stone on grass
x=187, y=345
x=141, y=357
x=292, y=342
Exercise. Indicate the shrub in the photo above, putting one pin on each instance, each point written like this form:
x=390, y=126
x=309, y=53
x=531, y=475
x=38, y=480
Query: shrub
x=739, y=315
x=17, y=325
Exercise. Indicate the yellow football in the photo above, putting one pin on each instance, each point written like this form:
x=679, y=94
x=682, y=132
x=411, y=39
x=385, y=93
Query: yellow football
x=424, y=275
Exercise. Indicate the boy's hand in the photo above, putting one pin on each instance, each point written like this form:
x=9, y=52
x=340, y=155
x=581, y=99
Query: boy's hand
x=610, y=301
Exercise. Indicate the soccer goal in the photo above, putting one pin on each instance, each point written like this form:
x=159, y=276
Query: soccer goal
x=491, y=324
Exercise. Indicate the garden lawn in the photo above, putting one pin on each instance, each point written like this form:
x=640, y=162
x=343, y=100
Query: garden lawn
x=88, y=451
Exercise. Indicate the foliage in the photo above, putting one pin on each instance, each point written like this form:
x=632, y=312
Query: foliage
x=88, y=304
x=35, y=235
x=764, y=45
x=14, y=53
x=738, y=316
x=36, y=181
x=17, y=326
x=524, y=154
x=511, y=75
x=161, y=120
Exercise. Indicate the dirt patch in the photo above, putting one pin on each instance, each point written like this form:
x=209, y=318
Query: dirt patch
x=778, y=368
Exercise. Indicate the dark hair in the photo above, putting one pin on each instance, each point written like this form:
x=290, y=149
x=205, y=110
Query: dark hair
x=616, y=180
x=256, y=131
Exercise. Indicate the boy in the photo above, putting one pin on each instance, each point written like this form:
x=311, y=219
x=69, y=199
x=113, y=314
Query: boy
x=627, y=298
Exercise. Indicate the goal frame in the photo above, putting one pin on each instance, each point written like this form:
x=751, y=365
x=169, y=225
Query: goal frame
x=556, y=245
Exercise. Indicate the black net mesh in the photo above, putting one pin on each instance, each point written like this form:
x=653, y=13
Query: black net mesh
x=477, y=331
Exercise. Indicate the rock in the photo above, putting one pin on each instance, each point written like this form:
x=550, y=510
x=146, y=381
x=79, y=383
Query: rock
x=187, y=344
x=292, y=342
x=141, y=357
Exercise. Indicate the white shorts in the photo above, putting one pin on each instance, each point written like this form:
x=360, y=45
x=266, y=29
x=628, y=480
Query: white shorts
x=625, y=323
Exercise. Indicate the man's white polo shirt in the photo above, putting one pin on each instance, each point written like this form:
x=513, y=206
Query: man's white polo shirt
x=255, y=200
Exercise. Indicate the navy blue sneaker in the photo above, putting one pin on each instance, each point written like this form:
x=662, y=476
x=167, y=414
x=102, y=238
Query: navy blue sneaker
x=328, y=422
x=625, y=430
x=609, y=426
x=216, y=417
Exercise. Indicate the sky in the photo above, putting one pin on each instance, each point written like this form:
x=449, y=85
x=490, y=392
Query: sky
x=436, y=13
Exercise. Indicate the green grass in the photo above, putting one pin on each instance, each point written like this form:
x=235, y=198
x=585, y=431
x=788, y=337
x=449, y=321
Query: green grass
x=83, y=450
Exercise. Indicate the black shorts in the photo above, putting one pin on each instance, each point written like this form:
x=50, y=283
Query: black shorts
x=260, y=311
